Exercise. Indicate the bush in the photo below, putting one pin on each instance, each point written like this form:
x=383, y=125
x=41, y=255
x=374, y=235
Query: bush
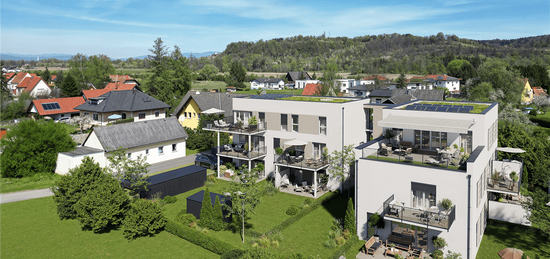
x=170, y=199
x=437, y=254
x=144, y=218
x=292, y=210
x=211, y=178
x=270, y=188
x=237, y=253
x=217, y=217
x=439, y=242
x=349, y=219
x=346, y=247
x=206, y=217
x=205, y=241
x=330, y=243
x=185, y=218
x=127, y=120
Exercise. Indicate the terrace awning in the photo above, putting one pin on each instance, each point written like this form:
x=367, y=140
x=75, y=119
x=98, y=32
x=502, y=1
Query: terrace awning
x=295, y=142
x=510, y=150
x=427, y=124
x=212, y=111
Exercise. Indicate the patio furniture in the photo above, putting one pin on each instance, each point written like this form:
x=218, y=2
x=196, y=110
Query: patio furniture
x=403, y=242
x=432, y=161
x=371, y=246
x=399, y=151
x=223, y=124
x=298, y=189
x=408, y=155
x=392, y=251
x=416, y=253
x=227, y=148
x=385, y=150
x=217, y=124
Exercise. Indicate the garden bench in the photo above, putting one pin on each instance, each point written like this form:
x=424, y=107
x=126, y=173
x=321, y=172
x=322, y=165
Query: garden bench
x=371, y=246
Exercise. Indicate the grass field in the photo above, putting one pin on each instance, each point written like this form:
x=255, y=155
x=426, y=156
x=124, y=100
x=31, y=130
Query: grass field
x=499, y=235
x=32, y=229
x=38, y=181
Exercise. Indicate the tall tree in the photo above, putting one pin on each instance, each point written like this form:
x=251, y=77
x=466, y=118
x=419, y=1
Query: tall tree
x=69, y=87
x=238, y=75
x=181, y=79
x=94, y=69
x=217, y=217
x=46, y=76
x=125, y=168
x=328, y=86
x=59, y=79
x=207, y=213
x=349, y=219
x=502, y=77
x=160, y=78
x=244, y=195
x=340, y=164
x=461, y=69
x=538, y=212
x=402, y=81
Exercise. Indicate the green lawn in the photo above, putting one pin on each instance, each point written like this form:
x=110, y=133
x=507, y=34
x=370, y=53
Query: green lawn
x=499, y=235
x=189, y=152
x=38, y=181
x=32, y=229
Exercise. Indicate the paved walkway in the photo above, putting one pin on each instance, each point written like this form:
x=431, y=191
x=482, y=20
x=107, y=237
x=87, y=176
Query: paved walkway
x=33, y=194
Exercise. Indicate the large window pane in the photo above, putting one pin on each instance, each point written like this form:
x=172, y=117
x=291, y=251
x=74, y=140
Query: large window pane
x=443, y=139
x=425, y=140
x=435, y=140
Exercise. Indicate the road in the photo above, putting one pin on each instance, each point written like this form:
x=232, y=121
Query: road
x=33, y=194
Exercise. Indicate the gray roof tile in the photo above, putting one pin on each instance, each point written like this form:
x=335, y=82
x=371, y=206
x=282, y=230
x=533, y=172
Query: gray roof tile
x=207, y=100
x=127, y=100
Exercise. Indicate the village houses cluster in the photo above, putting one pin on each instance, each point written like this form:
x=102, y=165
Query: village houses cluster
x=413, y=149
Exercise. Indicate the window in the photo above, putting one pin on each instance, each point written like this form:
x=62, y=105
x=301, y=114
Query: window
x=261, y=117
x=141, y=115
x=194, y=115
x=157, y=113
x=276, y=143
x=242, y=116
x=86, y=114
x=318, y=150
x=95, y=117
x=423, y=195
x=295, y=123
x=123, y=115
x=161, y=150
x=129, y=155
x=378, y=100
x=174, y=147
x=323, y=125
x=185, y=114
x=146, y=152
x=284, y=122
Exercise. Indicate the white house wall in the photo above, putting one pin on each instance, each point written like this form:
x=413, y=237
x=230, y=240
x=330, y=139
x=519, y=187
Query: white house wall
x=66, y=162
x=41, y=88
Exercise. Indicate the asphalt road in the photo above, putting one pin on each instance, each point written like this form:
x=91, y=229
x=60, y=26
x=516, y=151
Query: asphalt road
x=33, y=194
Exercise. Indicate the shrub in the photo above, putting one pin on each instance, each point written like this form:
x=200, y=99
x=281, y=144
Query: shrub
x=142, y=219
x=270, y=188
x=437, y=254
x=307, y=201
x=217, y=217
x=346, y=247
x=340, y=240
x=185, y=218
x=446, y=204
x=292, y=210
x=205, y=241
x=206, y=218
x=330, y=243
x=279, y=151
x=236, y=253
x=349, y=219
x=346, y=234
x=211, y=178
x=170, y=199
x=127, y=120
x=439, y=242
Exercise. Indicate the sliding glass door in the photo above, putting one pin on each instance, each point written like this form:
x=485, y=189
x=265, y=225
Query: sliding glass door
x=430, y=140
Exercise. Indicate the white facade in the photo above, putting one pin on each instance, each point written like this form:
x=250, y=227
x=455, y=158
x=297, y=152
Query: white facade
x=378, y=181
x=102, y=118
x=345, y=84
x=301, y=83
x=452, y=85
x=266, y=85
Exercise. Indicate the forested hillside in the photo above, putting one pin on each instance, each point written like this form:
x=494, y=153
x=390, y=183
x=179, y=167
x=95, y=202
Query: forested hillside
x=386, y=53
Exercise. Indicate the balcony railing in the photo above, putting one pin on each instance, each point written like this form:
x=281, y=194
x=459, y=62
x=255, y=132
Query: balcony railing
x=401, y=155
x=429, y=217
x=238, y=151
x=501, y=180
x=299, y=161
x=239, y=127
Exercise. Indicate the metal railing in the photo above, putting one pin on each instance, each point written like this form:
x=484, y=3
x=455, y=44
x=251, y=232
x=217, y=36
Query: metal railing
x=502, y=184
x=300, y=161
x=403, y=155
x=441, y=218
x=235, y=126
x=232, y=150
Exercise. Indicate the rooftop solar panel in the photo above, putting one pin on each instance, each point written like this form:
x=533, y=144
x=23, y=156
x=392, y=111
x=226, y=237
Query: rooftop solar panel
x=464, y=110
x=410, y=107
x=437, y=105
x=458, y=106
x=469, y=107
x=446, y=105
x=426, y=104
x=453, y=109
x=420, y=108
x=431, y=108
x=415, y=104
x=441, y=109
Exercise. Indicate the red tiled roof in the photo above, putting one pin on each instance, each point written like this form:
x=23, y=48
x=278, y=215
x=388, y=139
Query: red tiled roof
x=95, y=93
x=539, y=91
x=120, y=78
x=67, y=105
x=118, y=86
x=19, y=77
x=52, y=77
x=29, y=83
x=381, y=78
x=8, y=76
x=310, y=89
x=442, y=77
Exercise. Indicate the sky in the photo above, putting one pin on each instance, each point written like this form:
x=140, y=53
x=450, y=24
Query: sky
x=128, y=28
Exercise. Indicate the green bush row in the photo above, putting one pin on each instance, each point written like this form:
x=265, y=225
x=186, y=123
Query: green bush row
x=541, y=121
x=124, y=121
x=303, y=212
x=198, y=238
x=346, y=247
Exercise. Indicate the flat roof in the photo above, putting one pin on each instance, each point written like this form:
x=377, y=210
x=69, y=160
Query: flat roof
x=428, y=124
x=79, y=151
x=200, y=195
x=177, y=173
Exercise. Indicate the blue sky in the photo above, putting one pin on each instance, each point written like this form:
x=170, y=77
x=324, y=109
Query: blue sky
x=124, y=28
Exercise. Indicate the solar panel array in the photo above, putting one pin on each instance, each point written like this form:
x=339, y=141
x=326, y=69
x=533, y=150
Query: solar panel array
x=51, y=106
x=440, y=107
x=270, y=96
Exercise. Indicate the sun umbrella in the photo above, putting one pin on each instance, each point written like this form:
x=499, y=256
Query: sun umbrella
x=213, y=110
x=510, y=253
x=510, y=150
x=114, y=117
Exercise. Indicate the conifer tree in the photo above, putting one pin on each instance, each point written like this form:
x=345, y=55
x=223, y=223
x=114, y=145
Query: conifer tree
x=206, y=218
x=217, y=223
x=349, y=220
x=69, y=87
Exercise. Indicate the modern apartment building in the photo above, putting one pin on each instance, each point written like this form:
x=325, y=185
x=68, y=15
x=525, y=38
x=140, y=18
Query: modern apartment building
x=302, y=127
x=433, y=151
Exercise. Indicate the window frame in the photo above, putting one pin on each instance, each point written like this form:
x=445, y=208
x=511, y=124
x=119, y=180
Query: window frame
x=175, y=147
x=322, y=127
x=161, y=150
x=284, y=122
x=144, y=115
x=157, y=113
x=95, y=117
x=296, y=126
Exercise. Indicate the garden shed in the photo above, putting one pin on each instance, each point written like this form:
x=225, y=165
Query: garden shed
x=176, y=181
x=194, y=204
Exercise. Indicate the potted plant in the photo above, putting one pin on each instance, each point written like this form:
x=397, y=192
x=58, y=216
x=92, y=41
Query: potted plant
x=279, y=151
x=252, y=121
x=446, y=204
x=389, y=135
x=515, y=178
x=377, y=222
x=392, y=245
x=292, y=152
x=495, y=177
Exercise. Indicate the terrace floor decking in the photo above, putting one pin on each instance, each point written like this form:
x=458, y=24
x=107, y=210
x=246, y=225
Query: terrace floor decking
x=420, y=157
x=242, y=154
x=417, y=216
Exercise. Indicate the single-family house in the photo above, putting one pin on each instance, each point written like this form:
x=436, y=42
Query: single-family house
x=123, y=79
x=363, y=90
x=449, y=82
x=34, y=85
x=527, y=93
x=540, y=92
x=267, y=83
x=194, y=103
x=16, y=79
x=158, y=140
x=301, y=83
x=371, y=80
x=293, y=76
x=380, y=95
x=126, y=103
x=311, y=89
x=432, y=176
x=345, y=84
x=56, y=108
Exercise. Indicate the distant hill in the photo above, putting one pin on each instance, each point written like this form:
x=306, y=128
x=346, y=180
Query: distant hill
x=31, y=57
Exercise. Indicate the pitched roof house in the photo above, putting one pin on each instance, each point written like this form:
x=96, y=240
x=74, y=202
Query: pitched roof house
x=539, y=91
x=124, y=79
x=527, y=93
x=127, y=103
x=297, y=75
x=449, y=82
x=269, y=83
x=35, y=86
x=158, y=140
x=56, y=108
x=311, y=89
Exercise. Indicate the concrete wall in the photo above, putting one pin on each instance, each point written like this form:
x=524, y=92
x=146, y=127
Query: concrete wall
x=66, y=162
x=508, y=212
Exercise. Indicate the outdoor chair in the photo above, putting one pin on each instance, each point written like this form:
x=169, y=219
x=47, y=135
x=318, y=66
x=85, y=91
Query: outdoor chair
x=408, y=156
x=227, y=148
x=371, y=246
x=217, y=124
x=298, y=189
x=385, y=150
x=223, y=124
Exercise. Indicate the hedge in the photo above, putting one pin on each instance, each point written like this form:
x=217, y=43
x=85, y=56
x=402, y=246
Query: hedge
x=541, y=120
x=346, y=247
x=198, y=238
x=124, y=121
x=323, y=199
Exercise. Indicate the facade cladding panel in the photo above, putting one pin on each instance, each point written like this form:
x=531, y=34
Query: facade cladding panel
x=194, y=204
x=176, y=181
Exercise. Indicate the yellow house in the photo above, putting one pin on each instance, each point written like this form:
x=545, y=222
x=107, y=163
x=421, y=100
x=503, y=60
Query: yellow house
x=194, y=103
x=527, y=94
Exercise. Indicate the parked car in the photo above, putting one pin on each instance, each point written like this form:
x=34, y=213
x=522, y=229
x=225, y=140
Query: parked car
x=207, y=161
x=62, y=120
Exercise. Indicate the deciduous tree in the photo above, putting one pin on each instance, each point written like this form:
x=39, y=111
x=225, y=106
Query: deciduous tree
x=340, y=164
x=144, y=218
x=125, y=168
x=238, y=75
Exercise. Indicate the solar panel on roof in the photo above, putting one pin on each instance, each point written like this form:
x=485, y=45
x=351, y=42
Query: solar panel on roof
x=57, y=106
x=431, y=108
x=426, y=104
x=420, y=107
x=453, y=109
x=458, y=106
x=448, y=106
x=415, y=104
x=410, y=107
x=469, y=107
x=441, y=109
x=437, y=105
x=464, y=110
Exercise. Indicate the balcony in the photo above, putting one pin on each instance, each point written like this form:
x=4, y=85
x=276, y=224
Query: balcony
x=229, y=125
x=238, y=151
x=501, y=179
x=448, y=159
x=300, y=162
x=416, y=216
